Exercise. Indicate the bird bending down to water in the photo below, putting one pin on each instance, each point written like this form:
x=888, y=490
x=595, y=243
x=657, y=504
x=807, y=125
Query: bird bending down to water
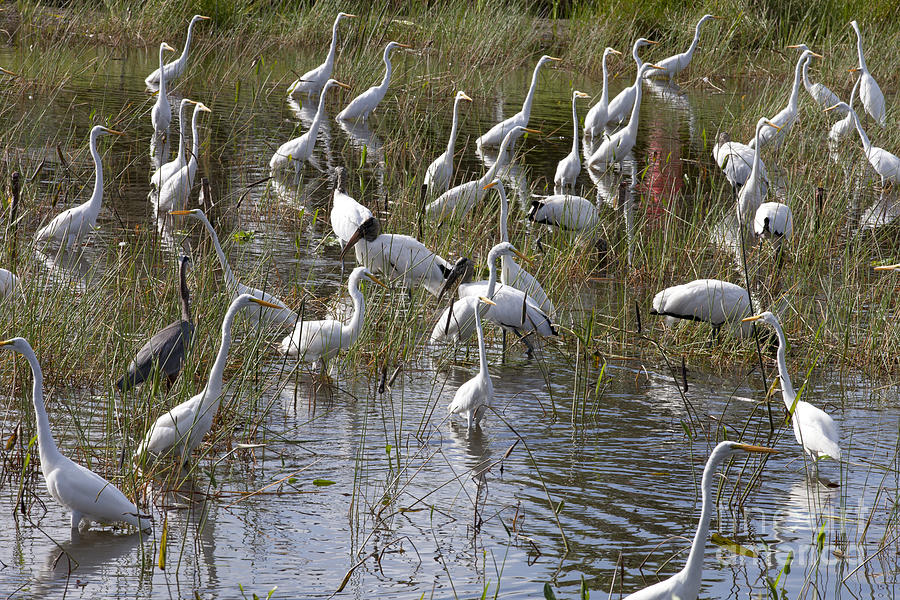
x=312, y=82
x=685, y=585
x=167, y=348
x=87, y=495
x=180, y=430
x=710, y=300
x=362, y=106
x=477, y=394
x=175, y=68
x=815, y=430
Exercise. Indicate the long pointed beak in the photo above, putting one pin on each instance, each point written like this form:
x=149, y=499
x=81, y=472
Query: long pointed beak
x=651, y=41
x=816, y=55
x=377, y=281
x=357, y=235
x=351, y=16
x=554, y=58
x=486, y=301
x=204, y=18
x=614, y=51
x=831, y=108
x=10, y=73
x=887, y=267
x=168, y=47
x=753, y=318
x=750, y=448
x=490, y=185
x=6, y=342
x=532, y=130
x=114, y=132
x=522, y=256
x=342, y=84
x=581, y=94
x=794, y=46
x=771, y=124
x=179, y=213
x=404, y=46
x=465, y=96
x=264, y=303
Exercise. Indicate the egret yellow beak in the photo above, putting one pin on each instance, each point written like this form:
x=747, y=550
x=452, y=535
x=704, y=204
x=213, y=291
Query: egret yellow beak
x=614, y=51
x=404, y=46
x=165, y=46
x=6, y=342
x=490, y=185
x=717, y=17
x=377, y=281
x=657, y=67
x=113, y=131
x=487, y=301
x=341, y=84
x=10, y=73
x=853, y=70
x=180, y=213
x=554, y=58
x=887, y=267
x=522, y=256
x=264, y=303
x=794, y=46
x=581, y=94
x=750, y=448
x=465, y=96
x=204, y=18
x=651, y=41
x=831, y=108
x=203, y=108
x=753, y=318
x=771, y=124
x=351, y=16
x=816, y=54
x=532, y=130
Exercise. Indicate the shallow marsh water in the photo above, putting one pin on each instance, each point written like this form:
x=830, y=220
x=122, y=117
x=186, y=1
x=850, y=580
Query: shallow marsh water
x=464, y=513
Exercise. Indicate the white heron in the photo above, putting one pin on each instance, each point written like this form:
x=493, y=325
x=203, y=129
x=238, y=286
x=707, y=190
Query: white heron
x=74, y=223
x=362, y=106
x=350, y=220
x=174, y=69
x=459, y=200
x=736, y=161
x=869, y=92
x=685, y=585
x=621, y=104
x=841, y=128
x=170, y=168
x=566, y=212
x=786, y=117
x=511, y=273
x=815, y=430
x=319, y=341
x=477, y=394
x=712, y=301
x=568, y=168
x=176, y=189
x=884, y=163
x=496, y=134
x=614, y=148
x=773, y=220
x=755, y=188
x=277, y=314
x=823, y=96
x=677, y=63
x=87, y=495
x=312, y=82
x=440, y=171
x=9, y=283
x=179, y=431
x=161, y=113
x=299, y=149
x=596, y=118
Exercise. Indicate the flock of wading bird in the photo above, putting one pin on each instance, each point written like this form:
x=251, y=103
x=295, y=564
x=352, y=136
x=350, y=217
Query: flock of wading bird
x=516, y=303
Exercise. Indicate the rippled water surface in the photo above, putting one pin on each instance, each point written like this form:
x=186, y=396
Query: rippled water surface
x=418, y=505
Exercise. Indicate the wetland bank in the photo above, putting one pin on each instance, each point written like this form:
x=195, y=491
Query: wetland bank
x=587, y=471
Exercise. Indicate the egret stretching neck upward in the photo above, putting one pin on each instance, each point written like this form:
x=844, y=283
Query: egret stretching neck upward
x=182, y=429
x=299, y=149
x=886, y=164
x=176, y=190
x=440, y=172
x=477, y=394
x=362, y=106
x=755, y=188
x=815, y=430
x=350, y=220
x=167, y=348
x=175, y=68
x=319, y=341
x=674, y=65
x=74, y=223
x=497, y=133
x=172, y=167
x=620, y=106
x=823, y=96
x=596, y=117
x=685, y=585
x=89, y=496
x=869, y=92
x=312, y=82
x=786, y=117
x=161, y=113
x=568, y=168
x=711, y=300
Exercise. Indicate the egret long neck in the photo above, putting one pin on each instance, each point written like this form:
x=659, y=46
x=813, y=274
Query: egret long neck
x=482, y=353
x=185, y=294
x=97, y=196
x=859, y=48
x=787, y=388
x=636, y=109
x=492, y=273
x=226, y=268
x=451, y=143
x=806, y=82
x=388, y=68
x=329, y=60
x=504, y=216
x=162, y=74
x=798, y=77
x=317, y=120
x=46, y=444
x=575, y=129
x=498, y=164
x=694, y=566
x=182, y=132
x=187, y=44
x=867, y=145
x=637, y=59
x=352, y=329
x=604, y=93
x=195, y=136
x=529, y=99
x=214, y=385
x=694, y=43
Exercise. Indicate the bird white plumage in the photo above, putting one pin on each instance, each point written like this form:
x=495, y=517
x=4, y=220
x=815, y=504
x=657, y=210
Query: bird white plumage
x=362, y=106
x=477, y=394
x=568, y=168
x=173, y=166
x=673, y=65
x=596, y=118
x=736, y=161
x=9, y=283
x=869, y=93
x=565, y=211
x=176, y=189
x=405, y=259
x=886, y=164
x=755, y=188
x=620, y=106
x=823, y=96
x=841, y=128
x=175, y=68
x=161, y=113
x=710, y=300
x=773, y=220
x=439, y=173
x=786, y=117
x=295, y=151
x=313, y=81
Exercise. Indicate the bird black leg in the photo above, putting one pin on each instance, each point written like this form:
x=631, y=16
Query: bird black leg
x=528, y=345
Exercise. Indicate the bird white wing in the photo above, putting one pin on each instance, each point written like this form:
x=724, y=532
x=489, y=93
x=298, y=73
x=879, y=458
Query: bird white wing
x=347, y=215
x=86, y=492
x=362, y=105
x=316, y=340
x=621, y=105
x=456, y=201
x=495, y=134
x=773, y=218
x=568, y=212
x=439, y=173
x=472, y=395
x=710, y=300
x=819, y=432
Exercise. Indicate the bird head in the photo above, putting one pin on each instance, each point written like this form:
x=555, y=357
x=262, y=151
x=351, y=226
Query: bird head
x=843, y=105
x=165, y=46
x=461, y=95
x=888, y=267
x=547, y=58
x=577, y=94
x=332, y=82
x=200, y=18
x=462, y=271
x=507, y=249
x=343, y=15
x=643, y=42
x=609, y=51
x=765, y=317
x=16, y=344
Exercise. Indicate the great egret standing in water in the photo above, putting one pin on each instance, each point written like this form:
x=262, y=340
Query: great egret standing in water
x=176, y=189
x=815, y=430
x=87, y=495
x=496, y=134
x=886, y=164
x=362, y=106
x=755, y=188
x=477, y=394
x=685, y=585
x=161, y=113
x=175, y=68
x=170, y=168
x=568, y=168
x=440, y=172
x=620, y=106
x=869, y=92
x=823, y=96
x=674, y=65
x=596, y=118
x=180, y=430
x=312, y=82
x=74, y=223
x=784, y=120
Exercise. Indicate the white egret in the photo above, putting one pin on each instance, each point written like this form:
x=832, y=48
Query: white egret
x=312, y=82
x=568, y=168
x=405, y=259
x=884, y=163
x=362, y=106
x=299, y=149
x=596, y=118
x=567, y=212
x=161, y=113
x=176, y=189
x=477, y=394
x=712, y=301
x=440, y=171
x=736, y=161
x=459, y=200
x=674, y=65
x=9, y=283
x=685, y=585
x=170, y=168
x=175, y=68
x=74, y=223
x=87, y=495
x=277, y=314
x=841, y=128
x=179, y=431
x=755, y=188
x=618, y=145
x=496, y=134
x=869, y=92
x=350, y=220
x=511, y=273
x=773, y=220
x=823, y=96
x=319, y=341
x=786, y=117
x=620, y=106
x=815, y=430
